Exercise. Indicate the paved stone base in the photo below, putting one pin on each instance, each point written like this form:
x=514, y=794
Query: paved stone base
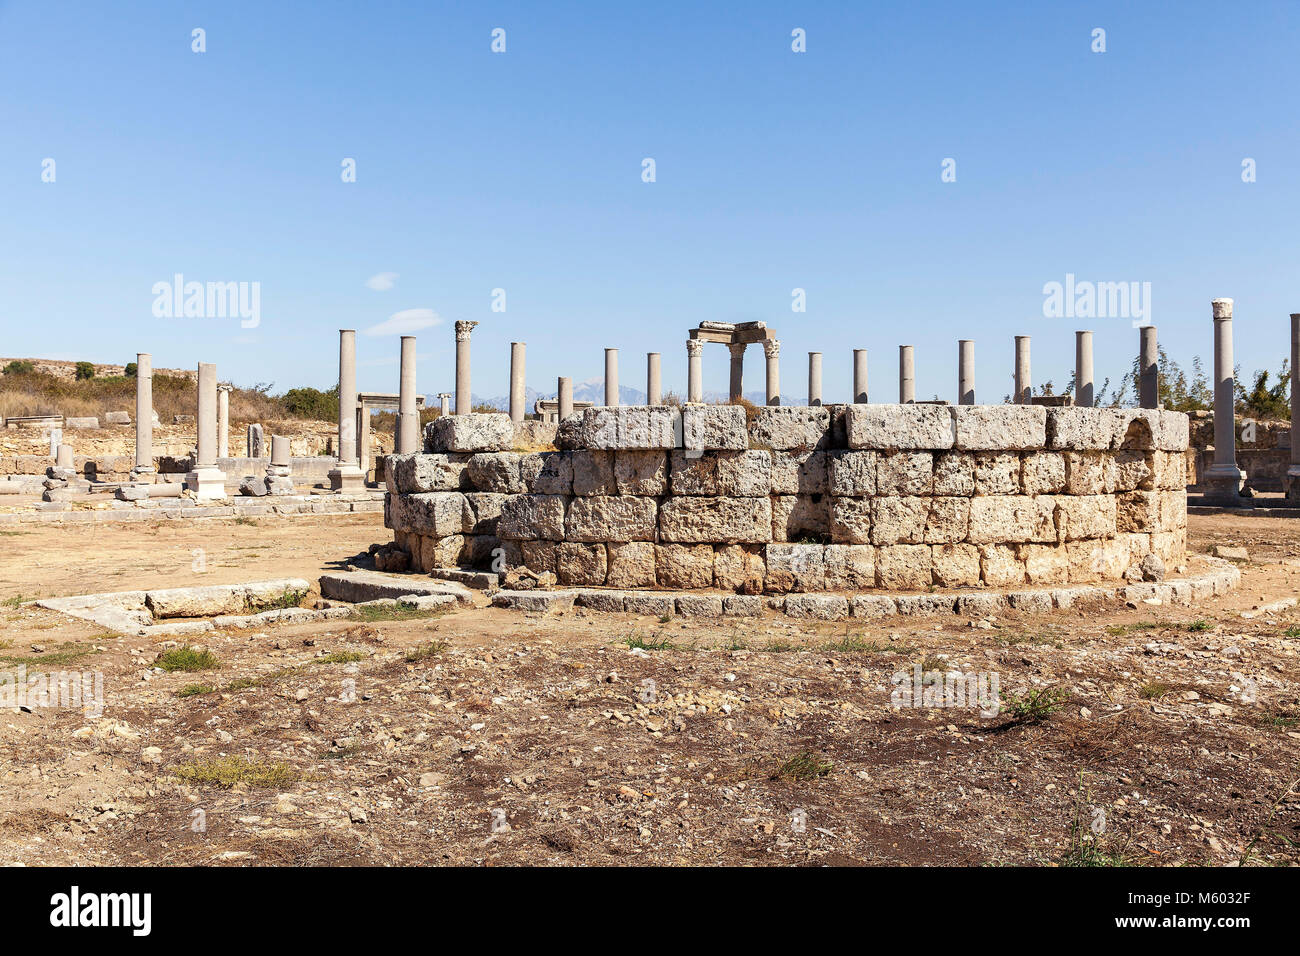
x=1222, y=577
x=360, y=586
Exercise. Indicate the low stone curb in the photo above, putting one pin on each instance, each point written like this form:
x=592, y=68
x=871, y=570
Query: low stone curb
x=836, y=607
x=171, y=509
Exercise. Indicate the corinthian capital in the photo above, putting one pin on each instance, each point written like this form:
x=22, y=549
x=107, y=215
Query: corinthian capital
x=694, y=348
x=463, y=328
x=772, y=348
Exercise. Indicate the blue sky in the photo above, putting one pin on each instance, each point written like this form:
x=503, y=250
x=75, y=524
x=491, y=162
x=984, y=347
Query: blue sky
x=775, y=170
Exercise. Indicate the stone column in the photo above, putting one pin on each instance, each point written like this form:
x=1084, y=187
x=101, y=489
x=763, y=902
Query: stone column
x=1149, y=363
x=860, y=377
x=1293, y=471
x=445, y=399
x=736, y=386
x=363, y=440
x=1083, y=380
x=63, y=458
x=143, y=417
x=464, y=400
x=694, y=370
x=206, y=480
x=223, y=421
x=611, y=376
x=564, y=397
x=254, y=447
x=278, y=480
x=517, y=382
x=906, y=375
x=406, y=437
x=346, y=473
x=1024, y=383
x=1223, y=479
x=966, y=372
x=814, y=378
x=772, y=349
x=654, y=383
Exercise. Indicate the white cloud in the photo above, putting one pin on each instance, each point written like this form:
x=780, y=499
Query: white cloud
x=406, y=322
x=382, y=282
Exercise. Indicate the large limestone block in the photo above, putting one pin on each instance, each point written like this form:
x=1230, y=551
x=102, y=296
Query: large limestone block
x=601, y=518
x=899, y=427
x=899, y=520
x=622, y=427
x=483, y=550
x=742, y=474
x=739, y=567
x=851, y=474
x=1089, y=473
x=413, y=474
x=948, y=521
x=820, y=607
x=905, y=473
x=593, y=473
x=795, y=567
x=1133, y=470
x=714, y=428
x=997, y=473
x=641, y=472
x=849, y=567
x=432, y=513
x=684, y=565
x=524, y=517
x=580, y=564
x=799, y=472
x=496, y=471
x=954, y=474
x=904, y=567
x=482, y=512
x=799, y=516
x=1097, y=560
x=1043, y=473
x=1138, y=511
x=1086, y=516
x=1173, y=510
x=792, y=428
x=999, y=427
x=1001, y=566
x=1075, y=428
x=1171, y=546
x=539, y=555
x=1171, y=471
x=441, y=552
x=631, y=564
x=955, y=565
x=716, y=520
x=547, y=473
x=851, y=520
x=1007, y=519
x=1045, y=563
x=479, y=431
x=1172, y=431
x=222, y=598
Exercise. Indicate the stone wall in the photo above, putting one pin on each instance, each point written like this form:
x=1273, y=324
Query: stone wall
x=902, y=497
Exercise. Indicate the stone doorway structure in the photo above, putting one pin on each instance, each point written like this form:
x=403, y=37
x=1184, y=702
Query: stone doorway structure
x=736, y=336
x=367, y=402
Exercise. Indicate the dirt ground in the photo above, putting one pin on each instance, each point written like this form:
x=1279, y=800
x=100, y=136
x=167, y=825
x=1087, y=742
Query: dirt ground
x=1149, y=736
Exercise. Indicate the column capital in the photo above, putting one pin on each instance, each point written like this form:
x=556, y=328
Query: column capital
x=737, y=349
x=463, y=328
x=225, y=387
x=1222, y=308
x=772, y=348
x=694, y=347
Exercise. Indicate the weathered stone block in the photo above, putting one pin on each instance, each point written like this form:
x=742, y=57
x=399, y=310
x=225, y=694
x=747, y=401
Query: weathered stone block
x=852, y=473
x=631, y=565
x=872, y=606
x=738, y=605
x=1043, y=473
x=603, y=518
x=1086, y=516
x=732, y=474
x=433, y=513
x=647, y=602
x=899, y=427
x=851, y=520
x=849, y=567
x=1173, y=510
x=414, y=474
x=539, y=555
x=1138, y=511
x=593, y=473
x=482, y=511
x=699, y=605
x=820, y=607
x=800, y=516
x=795, y=567
x=799, y=472
x=997, y=473
x=684, y=566
x=1132, y=470
x=532, y=516
x=954, y=474
x=739, y=567
x=904, y=566
x=496, y=472
x=787, y=428
x=441, y=552
x=948, y=521
x=999, y=427
x=1096, y=560
x=580, y=564
x=1089, y=473
x=955, y=565
x=1011, y=518
x=474, y=432
x=622, y=427
x=601, y=600
x=905, y=473
x=1045, y=563
x=641, y=472
x=714, y=428
x=898, y=520
x=717, y=520
x=547, y=472
x=1000, y=566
